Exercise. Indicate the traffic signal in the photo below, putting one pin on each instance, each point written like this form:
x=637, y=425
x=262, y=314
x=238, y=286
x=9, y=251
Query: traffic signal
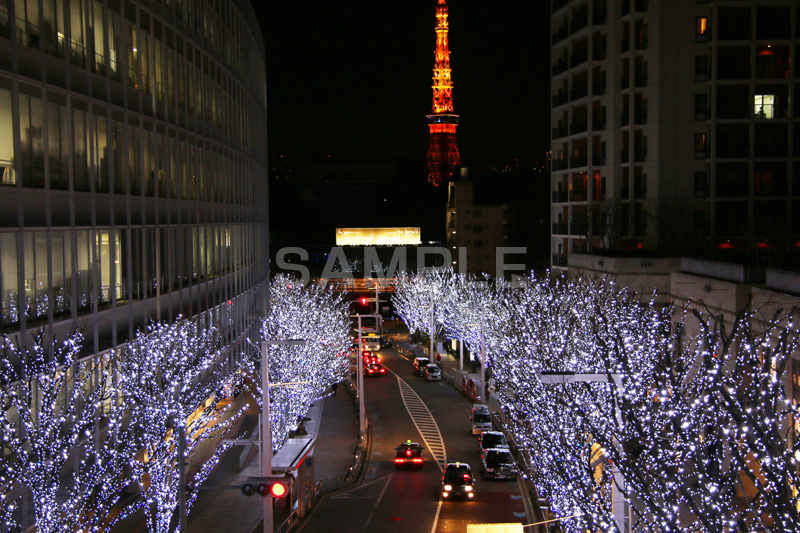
x=275, y=487
x=363, y=301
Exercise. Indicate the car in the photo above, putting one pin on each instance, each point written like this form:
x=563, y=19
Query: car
x=370, y=357
x=385, y=343
x=498, y=463
x=419, y=365
x=492, y=439
x=375, y=369
x=433, y=372
x=408, y=455
x=481, y=419
x=457, y=481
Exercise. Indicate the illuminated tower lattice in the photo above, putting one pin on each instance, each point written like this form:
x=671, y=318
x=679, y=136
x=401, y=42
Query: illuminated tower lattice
x=443, y=159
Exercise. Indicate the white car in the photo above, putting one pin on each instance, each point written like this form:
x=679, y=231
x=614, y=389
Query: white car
x=433, y=373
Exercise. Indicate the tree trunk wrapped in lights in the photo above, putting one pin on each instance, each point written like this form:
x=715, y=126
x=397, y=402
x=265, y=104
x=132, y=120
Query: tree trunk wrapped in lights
x=302, y=374
x=57, y=435
x=169, y=376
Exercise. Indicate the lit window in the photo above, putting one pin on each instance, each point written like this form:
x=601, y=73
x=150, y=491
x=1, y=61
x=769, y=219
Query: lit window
x=702, y=26
x=700, y=146
x=764, y=106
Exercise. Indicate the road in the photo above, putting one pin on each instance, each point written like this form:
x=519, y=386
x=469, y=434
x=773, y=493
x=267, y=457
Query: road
x=401, y=501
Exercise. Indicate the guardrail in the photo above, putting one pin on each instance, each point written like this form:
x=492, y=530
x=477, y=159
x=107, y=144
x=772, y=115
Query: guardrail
x=288, y=524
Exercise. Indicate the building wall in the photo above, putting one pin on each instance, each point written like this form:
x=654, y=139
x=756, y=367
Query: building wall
x=478, y=228
x=133, y=161
x=657, y=125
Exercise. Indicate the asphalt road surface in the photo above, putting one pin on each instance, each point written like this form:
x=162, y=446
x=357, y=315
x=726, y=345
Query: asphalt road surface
x=403, y=406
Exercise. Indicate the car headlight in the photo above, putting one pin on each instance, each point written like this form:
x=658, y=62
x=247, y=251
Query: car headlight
x=444, y=495
x=468, y=488
x=448, y=487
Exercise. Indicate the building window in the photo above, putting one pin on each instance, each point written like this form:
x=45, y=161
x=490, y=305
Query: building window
x=701, y=30
x=764, y=106
x=478, y=213
x=701, y=68
x=700, y=184
x=701, y=107
x=478, y=244
x=700, y=146
x=477, y=228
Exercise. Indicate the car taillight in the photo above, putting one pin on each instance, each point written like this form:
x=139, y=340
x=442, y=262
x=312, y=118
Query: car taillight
x=417, y=460
x=408, y=452
x=382, y=371
x=398, y=460
x=466, y=477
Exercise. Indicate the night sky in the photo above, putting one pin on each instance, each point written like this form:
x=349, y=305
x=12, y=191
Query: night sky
x=352, y=79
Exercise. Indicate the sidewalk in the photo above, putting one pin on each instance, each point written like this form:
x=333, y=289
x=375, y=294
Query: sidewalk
x=223, y=508
x=333, y=423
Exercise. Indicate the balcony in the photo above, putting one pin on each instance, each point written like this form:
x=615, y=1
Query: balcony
x=560, y=229
x=639, y=117
x=626, y=119
x=560, y=197
x=560, y=34
x=560, y=99
x=558, y=4
x=577, y=126
x=578, y=161
x=578, y=228
x=599, y=53
x=599, y=13
x=625, y=192
x=704, y=154
x=560, y=164
x=560, y=260
x=578, y=91
x=579, y=22
x=640, y=80
x=578, y=195
x=626, y=45
x=578, y=58
x=561, y=66
x=560, y=131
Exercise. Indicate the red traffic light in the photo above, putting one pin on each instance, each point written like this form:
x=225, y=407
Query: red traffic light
x=278, y=489
x=363, y=301
x=275, y=487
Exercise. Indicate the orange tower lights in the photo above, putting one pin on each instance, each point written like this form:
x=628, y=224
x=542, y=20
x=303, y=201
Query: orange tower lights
x=443, y=158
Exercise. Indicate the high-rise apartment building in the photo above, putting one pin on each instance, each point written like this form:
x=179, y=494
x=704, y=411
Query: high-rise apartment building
x=133, y=166
x=674, y=125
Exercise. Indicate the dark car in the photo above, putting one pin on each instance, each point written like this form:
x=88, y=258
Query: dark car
x=492, y=439
x=370, y=358
x=419, y=365
x=498, y=463
x=457, y=481
x=408, y=455
x=375, y=369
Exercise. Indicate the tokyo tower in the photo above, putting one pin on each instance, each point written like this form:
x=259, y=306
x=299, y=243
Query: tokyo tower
x=443, y=158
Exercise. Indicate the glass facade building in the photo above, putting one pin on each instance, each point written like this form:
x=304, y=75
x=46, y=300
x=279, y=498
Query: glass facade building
x=133, y=172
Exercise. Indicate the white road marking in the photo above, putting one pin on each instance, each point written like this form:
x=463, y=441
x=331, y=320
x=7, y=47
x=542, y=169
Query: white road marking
x=373, y=489
x=424, y=422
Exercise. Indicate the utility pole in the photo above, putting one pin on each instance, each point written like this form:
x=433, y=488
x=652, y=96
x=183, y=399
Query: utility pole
x=362, y=412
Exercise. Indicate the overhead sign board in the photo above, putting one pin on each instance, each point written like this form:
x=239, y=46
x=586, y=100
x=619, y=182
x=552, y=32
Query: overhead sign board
x=377, y=236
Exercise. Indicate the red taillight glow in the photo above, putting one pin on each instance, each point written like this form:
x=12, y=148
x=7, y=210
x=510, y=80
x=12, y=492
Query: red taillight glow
x=398, y=460
x=408, y=452
x=417, y=460
x=466, y=477
x=382, y=371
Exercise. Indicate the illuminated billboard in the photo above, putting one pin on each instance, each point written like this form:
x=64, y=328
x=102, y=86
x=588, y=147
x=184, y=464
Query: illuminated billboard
x=377, y=236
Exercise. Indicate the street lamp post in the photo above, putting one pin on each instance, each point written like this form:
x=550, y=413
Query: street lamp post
x=362, y=414
x=617, y=493
x=266, y=428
